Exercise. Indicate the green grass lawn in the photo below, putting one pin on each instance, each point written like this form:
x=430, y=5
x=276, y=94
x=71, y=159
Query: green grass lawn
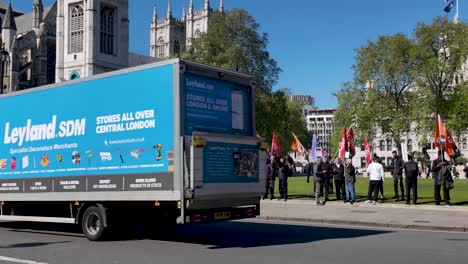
x=298, y=188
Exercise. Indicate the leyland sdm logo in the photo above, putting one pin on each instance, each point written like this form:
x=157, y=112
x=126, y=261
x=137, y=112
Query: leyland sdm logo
x=36, y=132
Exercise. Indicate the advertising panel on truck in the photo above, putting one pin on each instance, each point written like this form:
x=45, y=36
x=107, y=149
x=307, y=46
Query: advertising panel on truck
x=89, y=136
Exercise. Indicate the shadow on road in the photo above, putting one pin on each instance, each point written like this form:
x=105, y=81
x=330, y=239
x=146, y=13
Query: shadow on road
x=234, y=234
x=30, y=245
x=51, y=229
x=248, y=235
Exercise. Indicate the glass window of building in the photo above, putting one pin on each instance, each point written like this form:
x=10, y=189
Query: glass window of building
x=389, y=145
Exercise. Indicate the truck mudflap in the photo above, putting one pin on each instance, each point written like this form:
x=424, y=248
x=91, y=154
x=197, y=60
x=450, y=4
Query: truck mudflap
x=225, y=171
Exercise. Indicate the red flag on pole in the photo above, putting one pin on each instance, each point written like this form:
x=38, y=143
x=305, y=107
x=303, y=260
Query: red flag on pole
x=444, y=140
x=343, y=144
x=275, y=146
x=350, y=141
x=368, y=152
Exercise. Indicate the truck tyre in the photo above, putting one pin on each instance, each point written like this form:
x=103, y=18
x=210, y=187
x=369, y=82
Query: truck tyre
x=92, y=223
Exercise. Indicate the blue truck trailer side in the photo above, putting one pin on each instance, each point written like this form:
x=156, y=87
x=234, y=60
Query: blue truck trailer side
x=162, y=143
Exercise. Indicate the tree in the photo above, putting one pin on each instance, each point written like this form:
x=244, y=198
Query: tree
x=385, y=68
x=441, y=50
x=354, y=110
x=457, y=119
x=276, y=113
x=233, y=42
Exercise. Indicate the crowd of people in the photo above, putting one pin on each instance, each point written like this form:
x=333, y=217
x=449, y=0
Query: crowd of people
x=340, y=177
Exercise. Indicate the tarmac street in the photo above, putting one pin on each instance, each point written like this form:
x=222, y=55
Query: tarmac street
x=253, y=241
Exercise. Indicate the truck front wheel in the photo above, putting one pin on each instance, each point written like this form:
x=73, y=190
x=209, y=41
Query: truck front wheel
x=92, y=223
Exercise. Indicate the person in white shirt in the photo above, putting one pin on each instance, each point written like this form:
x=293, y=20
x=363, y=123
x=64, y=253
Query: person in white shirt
x=376, y=179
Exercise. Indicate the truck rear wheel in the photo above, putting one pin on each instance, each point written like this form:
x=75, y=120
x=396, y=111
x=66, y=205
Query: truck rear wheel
x=92, y=223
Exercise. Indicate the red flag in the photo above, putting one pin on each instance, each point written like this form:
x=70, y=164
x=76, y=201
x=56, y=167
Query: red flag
x=443, y=139
x=440, y=134
x=368, y=152
x=275, y=146
x=343, y=144
x=350, y=141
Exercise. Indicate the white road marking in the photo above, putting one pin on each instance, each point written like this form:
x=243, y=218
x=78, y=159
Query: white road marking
x=23, y=261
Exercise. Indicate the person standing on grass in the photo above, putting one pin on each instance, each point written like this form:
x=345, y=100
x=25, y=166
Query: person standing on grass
x=411, y=171
x=381, y=188
x=321, y=171
x=270, y=179
x=376, y=178
x=338, y=175
x=328, y=178
x=397, y=173
x=350, y=179
x=284, y=172
x=437, y=166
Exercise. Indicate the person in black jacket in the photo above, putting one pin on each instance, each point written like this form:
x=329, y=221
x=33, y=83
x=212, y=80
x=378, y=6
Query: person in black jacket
x=436, y=168
x=272, y=173
x=326, y=167
x=283, y=173
x=338, y=174
x=411, y=171
x=350, y=180
x=321, y=172
x=397, y=173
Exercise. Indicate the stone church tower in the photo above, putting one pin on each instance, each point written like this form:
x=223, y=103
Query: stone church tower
x=92, y=37
x=170, y=36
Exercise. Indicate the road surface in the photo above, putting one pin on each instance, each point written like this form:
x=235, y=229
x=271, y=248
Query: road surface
x=251, y=241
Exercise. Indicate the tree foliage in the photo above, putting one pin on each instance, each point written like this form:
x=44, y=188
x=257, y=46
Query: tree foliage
x=400, y=82
x=384, y=69
x=458, y=113
x=233, y=42
x=442, y=48
x=276, y=113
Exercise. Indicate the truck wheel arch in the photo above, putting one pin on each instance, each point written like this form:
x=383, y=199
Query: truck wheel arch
x=84, y=206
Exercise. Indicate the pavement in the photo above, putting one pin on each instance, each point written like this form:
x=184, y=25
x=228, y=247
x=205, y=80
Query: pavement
x=386, y=215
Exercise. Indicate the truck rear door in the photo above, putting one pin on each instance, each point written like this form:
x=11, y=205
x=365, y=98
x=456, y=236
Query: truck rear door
x=226, y=171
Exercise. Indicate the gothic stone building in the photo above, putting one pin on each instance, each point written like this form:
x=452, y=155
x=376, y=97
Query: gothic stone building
x=78, y=38
x=68, y=40
x=170, y=36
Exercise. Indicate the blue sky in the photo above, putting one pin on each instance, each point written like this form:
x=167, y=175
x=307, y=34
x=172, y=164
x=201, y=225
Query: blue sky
x=313, y=41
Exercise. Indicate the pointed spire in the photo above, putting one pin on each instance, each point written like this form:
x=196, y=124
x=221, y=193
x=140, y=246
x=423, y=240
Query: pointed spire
x=155, y=13
x=221, y=6
x=169, y=9
x=38, y=3
x=183, y=14
x=207, y=4
x=191, y=7
x=9, y=19
x=38, y=12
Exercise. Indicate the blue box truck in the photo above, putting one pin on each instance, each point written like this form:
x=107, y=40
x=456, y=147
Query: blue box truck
x=160, y=144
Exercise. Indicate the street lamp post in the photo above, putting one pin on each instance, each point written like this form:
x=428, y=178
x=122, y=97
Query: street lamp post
x=3, y=58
